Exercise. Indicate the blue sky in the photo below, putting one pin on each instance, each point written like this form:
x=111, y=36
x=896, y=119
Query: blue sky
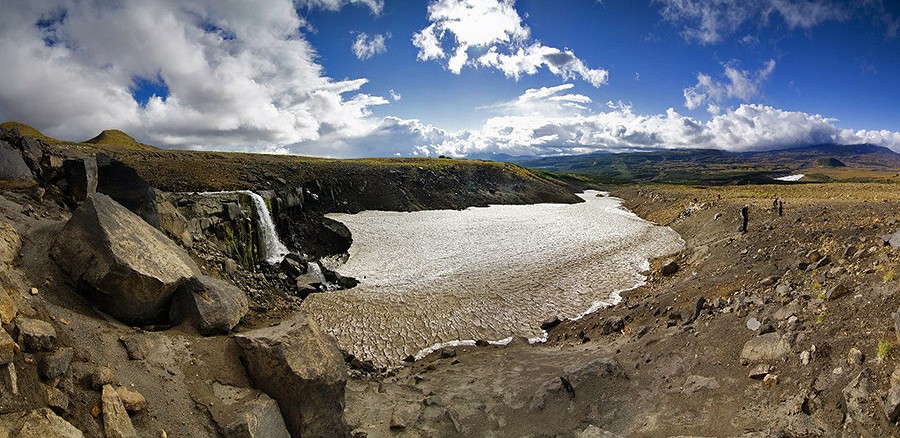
x=379, y=77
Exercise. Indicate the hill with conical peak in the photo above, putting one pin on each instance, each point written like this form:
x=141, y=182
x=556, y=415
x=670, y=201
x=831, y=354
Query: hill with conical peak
x=115, y=137
x=27, y=131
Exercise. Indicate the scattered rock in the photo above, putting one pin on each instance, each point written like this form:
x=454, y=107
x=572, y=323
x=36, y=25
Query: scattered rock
x=669, y=268
x=137, y=346
x=216, y=306
x=805, y=357
x=769, y=281
x=860, y=403
x=8, y=309
x=132, y=268
x=101, y=377
x=246, y=413
x=892, y=400
x=770, y=380
x=753, y=324
x=765, y=348
x=596, y=432
x=837, y=291
x=613, y=324
x=695, y=383
x=132, y=400
x=759, y=371
x=55, y=364
x=35, y=335
x=567, y=386
x=294, y=266
x=855, y=357
x=8, y=348
x=404, y=415
x=116, y=423
x=813, y=256
x=289, y=362
x=39, y=423
x=894, y=240
x=57, y=400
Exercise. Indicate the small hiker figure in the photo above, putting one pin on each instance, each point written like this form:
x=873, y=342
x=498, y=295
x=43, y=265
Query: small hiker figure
x=775, y=202
x=745, y=216
x=780, y=208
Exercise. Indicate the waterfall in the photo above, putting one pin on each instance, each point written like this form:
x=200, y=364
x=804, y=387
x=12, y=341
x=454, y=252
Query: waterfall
x=272, y=250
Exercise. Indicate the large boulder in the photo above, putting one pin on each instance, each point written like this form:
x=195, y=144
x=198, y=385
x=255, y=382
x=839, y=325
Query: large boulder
x=81, y=174
x=246, y=413
x=302, y=369
x=131, y=269
x=122, y=183
x=39, y=423
x=214, y=305
x=13, y=170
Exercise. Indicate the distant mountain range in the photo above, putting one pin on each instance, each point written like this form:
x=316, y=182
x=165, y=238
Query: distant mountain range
x=824, y=162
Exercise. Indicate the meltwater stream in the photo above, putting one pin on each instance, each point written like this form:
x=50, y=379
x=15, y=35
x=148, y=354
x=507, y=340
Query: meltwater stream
x=449, y=277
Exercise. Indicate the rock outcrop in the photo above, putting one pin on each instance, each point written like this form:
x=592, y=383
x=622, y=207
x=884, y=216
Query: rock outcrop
x=247, y=413
x=130, y=268
x=302, y=369
x=13, y=170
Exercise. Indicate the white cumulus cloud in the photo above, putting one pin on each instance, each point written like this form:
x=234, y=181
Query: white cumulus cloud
x=737, y=84
x=490, y=33
x=367, y=46
x=237, y=74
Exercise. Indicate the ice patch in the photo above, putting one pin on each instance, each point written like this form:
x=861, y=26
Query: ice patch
x=796, y=177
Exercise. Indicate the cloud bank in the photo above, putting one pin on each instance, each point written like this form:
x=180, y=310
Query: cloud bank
x=490, y=33
x=236, y=74
x=554, y=121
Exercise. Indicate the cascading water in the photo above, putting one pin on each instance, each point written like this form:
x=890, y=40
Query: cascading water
x=273, y=251
x=272, y=248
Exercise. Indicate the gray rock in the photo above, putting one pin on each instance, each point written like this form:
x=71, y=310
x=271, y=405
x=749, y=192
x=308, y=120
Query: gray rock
x=573, y=378
x=596, y=432
x=404, y=415
x=894, y=240
x=132, y=400
x=855, y=357
x=753, y=324
x=289, y=362
x=837, y=291
x=8, y=348
x=101, y=377
x=54, y=364
x=550, y=322
x=82, y=177
x=34, y=335
x=695, y=383
x=57, y=400
x=246, y=413
x=132, y=268
x=860, y=402
x=759, y=371
x=669, y=268
x=765, y=348
x=39, y=423
x=892, y=401
x=13, y=170
x=173, y=222
x=214, y=305
x=116, y=423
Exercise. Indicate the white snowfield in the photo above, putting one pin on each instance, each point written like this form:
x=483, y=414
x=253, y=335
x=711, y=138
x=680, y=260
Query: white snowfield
x=448, y=277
